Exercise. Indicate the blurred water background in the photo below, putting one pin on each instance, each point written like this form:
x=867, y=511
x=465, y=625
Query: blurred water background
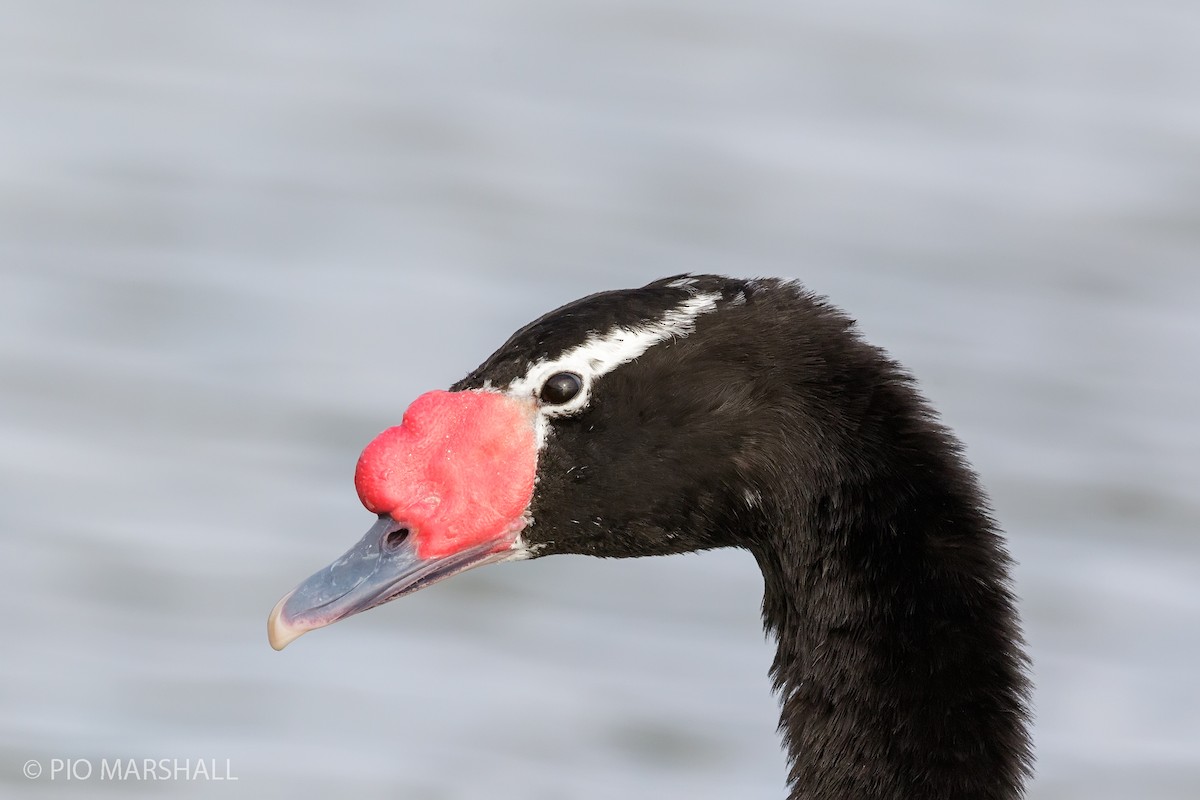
x=237, y=238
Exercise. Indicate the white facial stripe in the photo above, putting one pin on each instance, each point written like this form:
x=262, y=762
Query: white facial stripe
x=602, y=353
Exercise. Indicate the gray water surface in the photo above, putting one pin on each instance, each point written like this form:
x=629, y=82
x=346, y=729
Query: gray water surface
x=237, y=238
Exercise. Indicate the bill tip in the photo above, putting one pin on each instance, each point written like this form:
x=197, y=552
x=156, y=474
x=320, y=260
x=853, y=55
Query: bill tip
x=279, y=632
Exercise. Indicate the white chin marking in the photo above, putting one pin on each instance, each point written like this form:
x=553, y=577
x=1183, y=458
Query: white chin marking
x=521, y=550
x=603, y=352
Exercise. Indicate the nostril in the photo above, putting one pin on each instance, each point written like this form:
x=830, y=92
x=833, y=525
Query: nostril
x=395, y=538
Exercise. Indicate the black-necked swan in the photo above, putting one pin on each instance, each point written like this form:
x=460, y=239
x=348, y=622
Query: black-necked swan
x=700, y=412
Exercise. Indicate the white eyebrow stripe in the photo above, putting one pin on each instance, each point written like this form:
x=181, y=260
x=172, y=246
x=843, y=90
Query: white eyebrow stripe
x=602, y=353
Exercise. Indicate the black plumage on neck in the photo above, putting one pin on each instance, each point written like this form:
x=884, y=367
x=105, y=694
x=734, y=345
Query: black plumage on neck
x=900, y=665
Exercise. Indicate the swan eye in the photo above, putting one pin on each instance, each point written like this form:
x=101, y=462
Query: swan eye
x=560, y=387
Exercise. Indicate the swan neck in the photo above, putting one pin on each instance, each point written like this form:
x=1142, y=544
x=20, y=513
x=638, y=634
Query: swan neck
x=899, y=662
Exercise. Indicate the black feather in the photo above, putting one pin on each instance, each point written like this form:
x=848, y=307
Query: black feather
x=774, y=427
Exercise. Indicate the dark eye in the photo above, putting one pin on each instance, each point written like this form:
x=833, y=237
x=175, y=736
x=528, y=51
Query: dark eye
x=560, y=388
